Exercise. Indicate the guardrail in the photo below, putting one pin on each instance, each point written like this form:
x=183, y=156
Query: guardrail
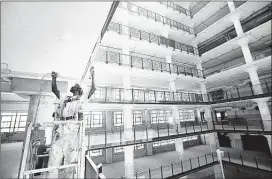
x=139, y=96
x=177, y=168
x=110, y=57
x=176, y=7
x=142, y=35
x=244, y=125
x=146, y=133
x=243, y=92
x=185, y=167
x=156, y=17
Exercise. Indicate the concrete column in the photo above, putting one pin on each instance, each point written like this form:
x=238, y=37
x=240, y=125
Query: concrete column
x=40, y=110
x=179, y=148
x=231, y=6
x=197, y=114
x=269, y=140
x=237, y=24
x=109, y=121
x=254, y=78
x=265, y=112
x=199, y=67
x=128, y=135
x=208, y=116
x=246, y=51
x=149, y=149
x=125, y=56
x=126, y=86
x=213, y=141
x=109, y=152
x=146, y=118
x=204, y=91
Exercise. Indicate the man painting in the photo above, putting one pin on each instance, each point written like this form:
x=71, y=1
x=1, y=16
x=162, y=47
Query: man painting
x=64, y=148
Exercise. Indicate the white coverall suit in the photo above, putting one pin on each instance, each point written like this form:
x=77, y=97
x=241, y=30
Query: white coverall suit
x=64, y=149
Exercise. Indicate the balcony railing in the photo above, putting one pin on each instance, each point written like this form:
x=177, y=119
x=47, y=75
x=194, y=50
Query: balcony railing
x=156, y=17
x=243, y=92
x=153, y=132
x=170, y=170
x=176, y=7
x=110, y=57
x=199, y=5
x=142, y=35
x=258, y=18
x=121, y=95
x=145, y=96
x=185, y=167
x=242, y=125
x=232, y=63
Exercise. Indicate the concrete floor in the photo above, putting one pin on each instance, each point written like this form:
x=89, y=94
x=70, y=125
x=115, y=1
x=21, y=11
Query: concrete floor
x=10, y=159
x=117, y=169
x=11, y=155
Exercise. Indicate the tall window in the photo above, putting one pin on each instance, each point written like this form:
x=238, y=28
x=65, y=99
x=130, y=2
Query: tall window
x=152, y=95
x=93, y=119
x=187, y=115
x=96, y=119
x=118, y=150
x=160, y=116
x=137, y=118
x=117, y=93
x=167, y=96
x=98, y=93
x=118, y=118
x=136, y=94
x=160, y=95
x=13, y=121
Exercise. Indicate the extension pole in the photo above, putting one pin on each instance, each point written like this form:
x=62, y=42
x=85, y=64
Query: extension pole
x=98, y=42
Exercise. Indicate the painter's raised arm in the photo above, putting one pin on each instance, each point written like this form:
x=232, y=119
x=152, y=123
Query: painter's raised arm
x=54, y=84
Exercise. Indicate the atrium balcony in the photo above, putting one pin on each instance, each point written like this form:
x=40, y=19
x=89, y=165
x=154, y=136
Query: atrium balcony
x=141, y=40
x=250, y=17
x=116, y=58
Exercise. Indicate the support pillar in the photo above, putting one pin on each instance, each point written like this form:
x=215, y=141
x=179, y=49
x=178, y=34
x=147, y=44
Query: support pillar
x=128, y=134
x=109, y=121
x=109, y=152
x=146, y=118
x=237, y=24
x=265, y=112
x=213, y=141
x=204, y=91
x=40, y=110
x=246, y=51
x=149, y=149
x=179, y=148
x=197, y=114
x=255, y=81
x=199, y=68
x=231, y=6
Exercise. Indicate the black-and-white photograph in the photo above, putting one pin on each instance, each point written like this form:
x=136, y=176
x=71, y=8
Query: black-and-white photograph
x=136, y=89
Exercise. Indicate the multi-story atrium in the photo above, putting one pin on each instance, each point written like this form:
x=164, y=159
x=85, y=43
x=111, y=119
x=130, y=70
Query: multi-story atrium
x=183, y=90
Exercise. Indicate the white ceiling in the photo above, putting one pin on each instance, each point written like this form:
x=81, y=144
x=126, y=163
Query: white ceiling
x=39, y=37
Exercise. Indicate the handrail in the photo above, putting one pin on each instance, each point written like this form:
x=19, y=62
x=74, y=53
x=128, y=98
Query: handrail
x=129, y=6
x=145, y=63
x=176, y=7
x=142, y=35
x=181, y=163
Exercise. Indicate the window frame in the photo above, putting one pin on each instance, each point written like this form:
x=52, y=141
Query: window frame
x=116, y=118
